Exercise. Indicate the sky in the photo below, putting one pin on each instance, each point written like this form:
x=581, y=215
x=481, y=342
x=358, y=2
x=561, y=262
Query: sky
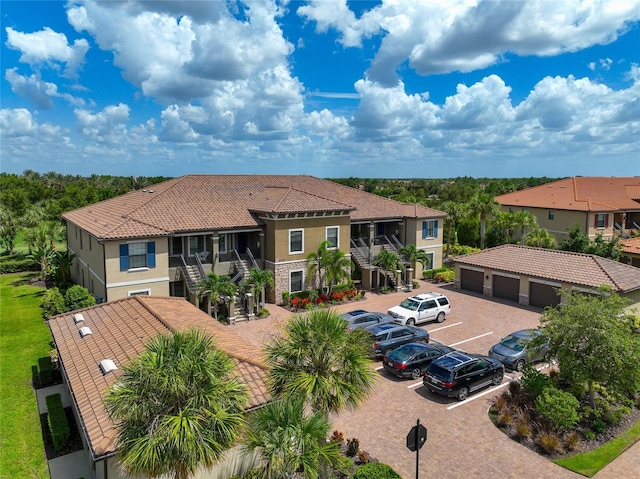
x=329, y=88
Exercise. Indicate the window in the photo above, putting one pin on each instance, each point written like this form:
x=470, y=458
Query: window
x=142, y=292
x=601, y=221
x=137, y=255
x=429, y=229
x=332, y=236
x=222, y=242
x=176, y=246
x=196, y=244
x=511, y=210
x=295, y=281
x=296, y=243
x=552, y=214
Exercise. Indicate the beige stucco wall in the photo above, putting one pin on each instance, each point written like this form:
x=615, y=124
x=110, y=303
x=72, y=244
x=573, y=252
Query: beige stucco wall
x=87, y=269
x=121, y=284
x=413, y=235
x=315, y=231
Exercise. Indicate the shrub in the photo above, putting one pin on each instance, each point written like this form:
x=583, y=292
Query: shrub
x=45, y=371
x=614, y=415
x=337, y=437
x=548, y=442
x=505, y=418
x=376, y=470
x=364, y=457
x=78, y=297
x=52, y=303
x=57, y=420
x=445, y=276
x=559, y=407
x=523, y=429
x=533, y=381
x=571, y=440
x=589, y=435
x=18, y=264
x=353, y=446
x=458, y=249
x=599, y=426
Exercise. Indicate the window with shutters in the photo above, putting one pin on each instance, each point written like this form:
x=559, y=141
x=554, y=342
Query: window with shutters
x=137, y=255
x=429, y=229
x=601, y=220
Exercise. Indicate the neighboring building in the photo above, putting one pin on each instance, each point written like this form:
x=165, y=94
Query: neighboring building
x=161, y=240
x=92, y=340
x=610, y=206
x=631, y=251
x=532, y=276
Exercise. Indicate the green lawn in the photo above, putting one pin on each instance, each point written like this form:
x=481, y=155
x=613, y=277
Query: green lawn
x=589, y=463
x=24, y=337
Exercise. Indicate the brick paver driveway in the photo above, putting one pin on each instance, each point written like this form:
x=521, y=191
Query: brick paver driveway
x=461, y=440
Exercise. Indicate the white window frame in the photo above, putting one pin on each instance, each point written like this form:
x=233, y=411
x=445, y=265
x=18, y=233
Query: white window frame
x=602, y=216
x=140, y=292
x=431, y=255
x=301, y=231
x=291, y=272
x=143, y=245
x=326, y=235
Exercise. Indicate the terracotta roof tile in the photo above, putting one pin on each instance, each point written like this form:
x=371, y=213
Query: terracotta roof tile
x=631, y=245
x=580, y=194
x=120, y=330
x=211, y=202
x=555, y=265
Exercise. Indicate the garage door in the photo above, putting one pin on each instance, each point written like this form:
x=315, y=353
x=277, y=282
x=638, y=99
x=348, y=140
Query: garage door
x=471, y=280
x=506, y=288
x=542, y=295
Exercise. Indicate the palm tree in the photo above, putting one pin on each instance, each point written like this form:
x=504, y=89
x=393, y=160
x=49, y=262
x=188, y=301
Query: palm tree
x=217, y=287
x=337, y=267
x=61, y=263
x=316, y=263
x=484, y=205
x=260, y=278
x=524, y=220
x=540, y=238
x=414, y=255
x=319, y=360
x=290, y=442
x=389, y=262
x=177, y=406
x=505, y=222
x=455, y=211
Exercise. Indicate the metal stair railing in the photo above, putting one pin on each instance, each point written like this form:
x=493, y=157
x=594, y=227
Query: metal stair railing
x=396, y=242
x=254, y=264
x=199, y=265
x=191, y=284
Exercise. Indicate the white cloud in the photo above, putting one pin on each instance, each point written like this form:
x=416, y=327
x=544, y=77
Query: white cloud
x=49, y=48
x=37, y=90
x=107, y=126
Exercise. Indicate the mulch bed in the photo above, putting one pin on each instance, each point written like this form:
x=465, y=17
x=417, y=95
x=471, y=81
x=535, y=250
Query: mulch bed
x=75, y=441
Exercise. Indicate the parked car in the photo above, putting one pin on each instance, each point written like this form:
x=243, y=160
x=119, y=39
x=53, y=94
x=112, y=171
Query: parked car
x=389, y=336
x=457, y=374
x=412, y=359
x=362, y=319
x=514, y=352
x=421, y=308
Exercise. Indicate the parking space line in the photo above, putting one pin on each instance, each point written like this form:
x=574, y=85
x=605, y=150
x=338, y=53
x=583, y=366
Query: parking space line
x=476, y=396
x=471, y=339
x=445, y=327
x=411, y=386
x=379, y=368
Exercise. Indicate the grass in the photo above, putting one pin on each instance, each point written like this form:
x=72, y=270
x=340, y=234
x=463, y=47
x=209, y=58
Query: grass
x=589, y=463
x=24, y=337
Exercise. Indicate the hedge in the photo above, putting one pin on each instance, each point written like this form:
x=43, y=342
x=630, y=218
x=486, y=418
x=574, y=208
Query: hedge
x=45, y=371
x=376, y=470
x=18, y=266
x=58, y=423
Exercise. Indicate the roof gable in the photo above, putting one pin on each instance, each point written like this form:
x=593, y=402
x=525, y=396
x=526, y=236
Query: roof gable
x=120, y=331
x=563, y=266
x=579, y=194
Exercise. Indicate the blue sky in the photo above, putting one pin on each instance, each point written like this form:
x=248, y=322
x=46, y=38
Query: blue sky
x=331, y=88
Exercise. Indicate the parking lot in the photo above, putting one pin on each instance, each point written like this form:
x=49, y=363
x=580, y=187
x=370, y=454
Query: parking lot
x=461, y=440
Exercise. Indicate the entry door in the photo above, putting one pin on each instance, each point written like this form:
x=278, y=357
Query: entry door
x=242, y=243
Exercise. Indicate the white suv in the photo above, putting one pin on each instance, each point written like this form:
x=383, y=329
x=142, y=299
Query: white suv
x=421, y=308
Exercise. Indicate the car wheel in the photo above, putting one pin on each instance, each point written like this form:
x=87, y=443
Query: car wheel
x=463, y=393
x=520, y=365
x=440, y=317
x=497, y=378
x=411, y=322
x=416, y=373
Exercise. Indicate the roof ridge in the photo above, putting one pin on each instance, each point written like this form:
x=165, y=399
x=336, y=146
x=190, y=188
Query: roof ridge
x=598, y=260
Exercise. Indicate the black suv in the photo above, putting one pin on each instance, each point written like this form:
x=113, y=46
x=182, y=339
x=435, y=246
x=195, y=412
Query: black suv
x=457, y=374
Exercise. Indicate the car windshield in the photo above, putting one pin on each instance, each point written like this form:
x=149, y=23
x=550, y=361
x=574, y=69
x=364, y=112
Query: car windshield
x=404, y=352
x=439, y=373
x=410, y=304
x=512, y=342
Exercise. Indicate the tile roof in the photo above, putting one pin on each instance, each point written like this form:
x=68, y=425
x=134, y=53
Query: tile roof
x=563, y=266
x=120, y=330
x=214, y=202
x=631, y=245
x=580, y=194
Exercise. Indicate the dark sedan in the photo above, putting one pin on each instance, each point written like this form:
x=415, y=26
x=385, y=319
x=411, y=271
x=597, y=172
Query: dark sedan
x=412, y=359
x=389, y=336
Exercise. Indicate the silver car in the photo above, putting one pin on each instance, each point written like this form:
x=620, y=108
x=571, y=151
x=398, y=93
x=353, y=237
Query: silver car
x=362, y=319
x=514, y=352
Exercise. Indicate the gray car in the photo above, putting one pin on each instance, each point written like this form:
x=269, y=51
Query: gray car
x=363, y=319
x=389, y=336
x=514, y=352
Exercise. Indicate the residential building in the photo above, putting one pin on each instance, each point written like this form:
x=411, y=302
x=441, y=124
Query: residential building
x=534, y=276
x=163, y=239
x=599, y=205
x=94, y=344
x=631, y=251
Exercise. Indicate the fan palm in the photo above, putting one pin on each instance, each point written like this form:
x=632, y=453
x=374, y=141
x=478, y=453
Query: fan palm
x=414, y=255
x=177, y=407
x=524, y=220
x=540, y=238
x=290, y=442
x=319, y=360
